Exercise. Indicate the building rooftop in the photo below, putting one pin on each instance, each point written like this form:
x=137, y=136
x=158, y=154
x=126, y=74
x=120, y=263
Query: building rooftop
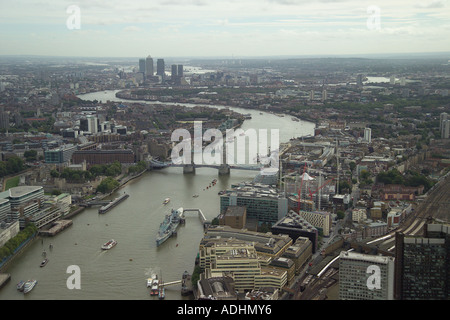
x=365, y=257
x=17, y=192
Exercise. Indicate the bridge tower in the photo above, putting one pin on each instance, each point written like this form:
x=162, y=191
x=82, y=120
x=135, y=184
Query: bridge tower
x=189, y=168
x=224, y=168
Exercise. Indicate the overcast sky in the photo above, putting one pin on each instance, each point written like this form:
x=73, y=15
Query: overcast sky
x=226, y=28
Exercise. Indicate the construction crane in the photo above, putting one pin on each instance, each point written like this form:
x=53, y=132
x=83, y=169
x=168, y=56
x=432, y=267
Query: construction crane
x=317, y=190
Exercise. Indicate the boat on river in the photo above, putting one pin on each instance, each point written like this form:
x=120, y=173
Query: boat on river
x=169, y=226
x=20, y=285
x=29, y=285
x=154, y=291
x=44, y=262
x=109, y=244
x=113, y=203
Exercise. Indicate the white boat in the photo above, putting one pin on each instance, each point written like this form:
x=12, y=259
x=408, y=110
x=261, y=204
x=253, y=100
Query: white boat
x=29, y=285
x=166, y=200
x=108, y=245
x=154, y=291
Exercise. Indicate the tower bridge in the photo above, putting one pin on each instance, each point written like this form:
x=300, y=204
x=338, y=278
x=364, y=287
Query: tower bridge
x=190, y=168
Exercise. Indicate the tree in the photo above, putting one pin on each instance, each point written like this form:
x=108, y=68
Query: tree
x=352, y=166
x=30, y=155
x=107, y=185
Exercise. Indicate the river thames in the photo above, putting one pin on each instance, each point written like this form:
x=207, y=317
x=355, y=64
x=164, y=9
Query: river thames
x=121, y=273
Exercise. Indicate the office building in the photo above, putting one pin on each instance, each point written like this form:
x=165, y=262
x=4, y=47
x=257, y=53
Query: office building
x=299, y=252
x=142, y=66
x=27, y=205
x=268, y=246
x=234, y=217
x=442, y=117
x=180, y=71
x=174, y=74
x=359, y=80
x=161, y=69
x=239, y=260
x=422, y=264
x=284, y=264
x=89, y=124
x=319, y=219
x=368, y=135
x=149, y=67
x=295, y=226
x=19, y=196
x=445, y=131
x=264, y=204
x=216, y=288
x=365, y=277
x=5, y=209
x=60, y=155
x=4, y=118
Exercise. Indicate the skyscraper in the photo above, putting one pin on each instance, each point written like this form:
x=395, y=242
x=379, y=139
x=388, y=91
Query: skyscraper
x=422, y=270
x=180, y=70
x=445, y=131
x=368, y=135
x=444, y=125
x=149, y=67
x=160, y=68
x=142, y=66
x=174, y=75
x=4, y=118
x=359, y=80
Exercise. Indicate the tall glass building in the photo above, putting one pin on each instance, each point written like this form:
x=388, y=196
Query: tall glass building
x=263, y=204
x=423, y=264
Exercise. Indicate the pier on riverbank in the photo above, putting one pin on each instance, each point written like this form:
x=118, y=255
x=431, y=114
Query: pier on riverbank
x=4, y=279
x=56, y=227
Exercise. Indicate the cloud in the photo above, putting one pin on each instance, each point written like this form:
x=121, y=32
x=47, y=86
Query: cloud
x=132, y=29
x=431, y=4
x=213, y=26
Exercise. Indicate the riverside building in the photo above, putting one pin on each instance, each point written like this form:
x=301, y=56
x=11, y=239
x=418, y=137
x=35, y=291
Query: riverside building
x=263, y=203
x=239, y=260
x=27, y=205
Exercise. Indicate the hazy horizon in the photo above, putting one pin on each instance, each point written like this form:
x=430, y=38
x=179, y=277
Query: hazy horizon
x=222, y=28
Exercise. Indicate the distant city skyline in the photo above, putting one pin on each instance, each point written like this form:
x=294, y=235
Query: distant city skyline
x=227, y=28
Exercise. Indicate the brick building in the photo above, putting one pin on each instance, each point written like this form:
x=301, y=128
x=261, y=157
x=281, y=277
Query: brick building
x=103, y=156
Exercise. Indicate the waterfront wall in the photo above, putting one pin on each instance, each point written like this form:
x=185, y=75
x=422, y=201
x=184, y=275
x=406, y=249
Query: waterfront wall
x=5, y=262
